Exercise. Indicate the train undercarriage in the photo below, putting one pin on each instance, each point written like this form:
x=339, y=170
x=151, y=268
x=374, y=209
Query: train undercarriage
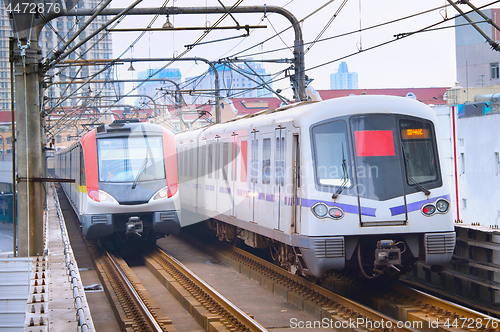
x=367, y=256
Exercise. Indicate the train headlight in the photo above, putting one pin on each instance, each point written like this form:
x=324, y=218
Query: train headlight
x=162, y=194
x=320, y=210
x=102, y=196
x=442, y=206
x=428, y=209
x=336, y=213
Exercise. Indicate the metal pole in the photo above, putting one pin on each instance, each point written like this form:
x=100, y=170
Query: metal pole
x=13, y=147
x=26, y=69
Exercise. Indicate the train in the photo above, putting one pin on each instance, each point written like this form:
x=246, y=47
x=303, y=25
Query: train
x=352, y=184
x=126, y=183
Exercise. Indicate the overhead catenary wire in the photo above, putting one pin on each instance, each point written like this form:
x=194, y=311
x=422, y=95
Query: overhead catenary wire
x=397, y=38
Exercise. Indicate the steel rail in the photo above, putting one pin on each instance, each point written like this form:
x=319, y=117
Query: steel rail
x=455, y=309
x=358, y=307
x=305, y=287
x=252, y=324
x=144, y=309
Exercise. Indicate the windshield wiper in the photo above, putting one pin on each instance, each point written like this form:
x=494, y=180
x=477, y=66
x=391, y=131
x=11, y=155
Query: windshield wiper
x=344, y=176
x=141, y=170
x=410, y=177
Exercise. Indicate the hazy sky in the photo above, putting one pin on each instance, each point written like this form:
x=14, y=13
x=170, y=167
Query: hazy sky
x=422, y=60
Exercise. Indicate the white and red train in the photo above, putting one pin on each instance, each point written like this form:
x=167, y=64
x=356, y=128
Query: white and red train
x=353, y=182
x=126, y=182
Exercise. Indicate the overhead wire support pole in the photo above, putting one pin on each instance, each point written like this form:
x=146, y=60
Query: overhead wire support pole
x=494, y=45
x=26, y=58
x=298, y=78
x=486, y=18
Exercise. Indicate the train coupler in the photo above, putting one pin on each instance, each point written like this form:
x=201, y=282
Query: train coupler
x=134, y=225
x=387, y=254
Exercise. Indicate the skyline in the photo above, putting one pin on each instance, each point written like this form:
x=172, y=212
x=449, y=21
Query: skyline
x=421, y=60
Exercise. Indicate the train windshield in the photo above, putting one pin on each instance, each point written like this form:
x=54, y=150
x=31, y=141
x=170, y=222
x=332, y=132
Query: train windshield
x=331, y=154
x=122, y=159
x=418, y=140
x=377, y=157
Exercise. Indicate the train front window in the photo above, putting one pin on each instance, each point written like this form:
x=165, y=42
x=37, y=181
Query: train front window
x=331, y=154
x=419, y=149
x=122, y=159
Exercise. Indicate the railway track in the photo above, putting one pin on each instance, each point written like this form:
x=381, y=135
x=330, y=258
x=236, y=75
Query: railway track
x=406, y=306
x=401, y=309
x=134, y=308
x=213, y=311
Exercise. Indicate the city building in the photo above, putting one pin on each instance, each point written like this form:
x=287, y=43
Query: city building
x=477, y=63
x=100, y=47
x=246, y=80
x=5, y=34
x=154, y=91
x=343, y=79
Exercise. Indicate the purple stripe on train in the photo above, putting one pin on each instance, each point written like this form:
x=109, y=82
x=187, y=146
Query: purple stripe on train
x=225, y=190
x=415, y=205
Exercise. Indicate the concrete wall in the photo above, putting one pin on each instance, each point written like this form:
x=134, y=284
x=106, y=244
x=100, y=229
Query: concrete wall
x=479, y=181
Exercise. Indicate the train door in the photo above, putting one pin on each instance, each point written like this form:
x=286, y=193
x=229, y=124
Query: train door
x=254, y=175
x=193, y=166
x=296, y=195
x=82, y=179
x=278, y=185
x=242, y=186
x=265, y=187
x=202, y=173
x=234, y=172
x=224, y=178
x=210, y=196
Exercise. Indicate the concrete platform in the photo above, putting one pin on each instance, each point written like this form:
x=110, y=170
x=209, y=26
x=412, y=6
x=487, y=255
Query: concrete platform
x=42, y=293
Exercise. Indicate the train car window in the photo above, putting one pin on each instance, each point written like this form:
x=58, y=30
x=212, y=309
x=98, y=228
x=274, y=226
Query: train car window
x=189, y=165
x=210, y=160
x=234, y=161
x=203, y=166
x=280, y=161
x=122, y=159
x=254, y=165
x=419, y=149
x=266, y=161
x=331, y=148
x=244, y=157
x=225, y=160
x=218, y=156
x=377, y=157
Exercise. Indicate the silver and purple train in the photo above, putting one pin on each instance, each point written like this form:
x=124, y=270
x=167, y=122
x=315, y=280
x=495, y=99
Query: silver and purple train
x=348, y=183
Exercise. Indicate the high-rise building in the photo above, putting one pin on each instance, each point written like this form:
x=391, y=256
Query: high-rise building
x=247, y=81
x=152, y=88
x=477, y=64
x=5, y=34
x=343, y=79
x=100, y=47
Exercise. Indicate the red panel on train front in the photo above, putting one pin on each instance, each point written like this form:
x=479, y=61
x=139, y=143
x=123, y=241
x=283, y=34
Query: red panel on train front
x=170, y=156
x=89, y=145
x=372, y=143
